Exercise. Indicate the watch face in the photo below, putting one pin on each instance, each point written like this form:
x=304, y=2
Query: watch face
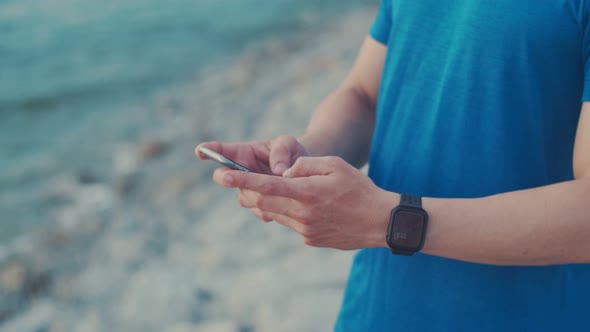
x=407, y=229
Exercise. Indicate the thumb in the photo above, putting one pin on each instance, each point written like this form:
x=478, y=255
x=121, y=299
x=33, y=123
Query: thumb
x=280, y=154
x=310, y=166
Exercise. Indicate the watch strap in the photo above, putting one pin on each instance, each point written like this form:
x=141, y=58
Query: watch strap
x=401, y=252
x=411, y=201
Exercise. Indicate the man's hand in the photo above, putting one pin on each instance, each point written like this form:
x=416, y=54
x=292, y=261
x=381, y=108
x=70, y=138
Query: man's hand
x=326, y=200
x=341, y=126
x=270, y=157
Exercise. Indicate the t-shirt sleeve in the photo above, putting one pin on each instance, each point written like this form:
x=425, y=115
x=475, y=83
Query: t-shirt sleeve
x=586, y=51
x=382, y=25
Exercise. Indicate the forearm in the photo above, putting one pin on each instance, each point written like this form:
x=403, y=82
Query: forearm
x=541, y=226
x=342, y=126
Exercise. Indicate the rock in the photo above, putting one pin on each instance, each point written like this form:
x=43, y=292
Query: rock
x=126, y=184
x=158, y=296
x=20, y=279
x=214, y=326
x=37, y=318
x=126, y=168
x=220, y=326
x=95, y=197
x=171, y=188
x=151, y=150
x=57, y=238
x=276, y=47
x=37, y=285
x=5, y=314
x=58, y=326
x=125, y=161
x=242, y=71
x=86, y=177
x=13, y=277
x=182, y=327
x=60, y=190
x=91, y=322
x=205, y=295
x=18, y=285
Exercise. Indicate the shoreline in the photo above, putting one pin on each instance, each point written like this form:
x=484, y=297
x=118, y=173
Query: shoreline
x=156, y=246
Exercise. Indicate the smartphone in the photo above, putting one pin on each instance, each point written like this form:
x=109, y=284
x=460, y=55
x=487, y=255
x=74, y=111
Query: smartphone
x=212, y=155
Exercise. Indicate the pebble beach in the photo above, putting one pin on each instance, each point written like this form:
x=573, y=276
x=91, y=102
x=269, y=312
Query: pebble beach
x=154, y=245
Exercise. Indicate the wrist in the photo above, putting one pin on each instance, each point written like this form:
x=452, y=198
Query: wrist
x=432, y=206
x=385, y=202
x=308, y=145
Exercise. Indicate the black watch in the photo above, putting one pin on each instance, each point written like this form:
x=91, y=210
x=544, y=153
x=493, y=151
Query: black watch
x=407, y=226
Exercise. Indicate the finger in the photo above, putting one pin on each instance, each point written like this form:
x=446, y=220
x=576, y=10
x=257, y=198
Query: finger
x=218, y=176
x=261, y=215
x=280, y=153
x=268, y=185
x=247, y=198
x=215, y=146
x=287, y=222
x=229, y=150
x=267, y=216
x=310, y=166
x=271, y=204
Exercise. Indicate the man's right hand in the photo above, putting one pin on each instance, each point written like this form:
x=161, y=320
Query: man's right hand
x=271, y=157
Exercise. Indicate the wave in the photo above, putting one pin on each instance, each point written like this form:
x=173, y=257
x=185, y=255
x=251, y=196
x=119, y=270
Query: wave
x=75, y=95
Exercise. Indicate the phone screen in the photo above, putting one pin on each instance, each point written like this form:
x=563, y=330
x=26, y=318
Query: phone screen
x=212, y=155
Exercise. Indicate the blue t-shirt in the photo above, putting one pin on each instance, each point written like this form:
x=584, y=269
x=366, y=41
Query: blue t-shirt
x=478, y=97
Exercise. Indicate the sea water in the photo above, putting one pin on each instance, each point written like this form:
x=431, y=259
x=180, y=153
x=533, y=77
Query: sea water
x=74, y=73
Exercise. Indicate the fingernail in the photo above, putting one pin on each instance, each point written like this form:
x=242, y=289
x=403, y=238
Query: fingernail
x=228, y=179
x=280, y=168
x=287, y=173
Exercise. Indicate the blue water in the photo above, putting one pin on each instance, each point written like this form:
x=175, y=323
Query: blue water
x=71, y=72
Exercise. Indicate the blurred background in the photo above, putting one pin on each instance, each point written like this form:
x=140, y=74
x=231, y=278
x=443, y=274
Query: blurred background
x=107, y=220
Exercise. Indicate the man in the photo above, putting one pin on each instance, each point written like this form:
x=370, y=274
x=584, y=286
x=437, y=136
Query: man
x=473, y=106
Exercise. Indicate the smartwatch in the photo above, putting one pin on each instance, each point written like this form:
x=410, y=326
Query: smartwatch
x=407, y=226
